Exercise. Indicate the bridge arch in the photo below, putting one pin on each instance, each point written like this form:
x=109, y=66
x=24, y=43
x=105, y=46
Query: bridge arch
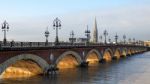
x=124, y=52
x=93, y=56
x=117, y=53
x=68, y=59
x=136, y=50
x=139, y=50
x=129, y=52
x=26, y=57
x=132, y=51
x=107, y=54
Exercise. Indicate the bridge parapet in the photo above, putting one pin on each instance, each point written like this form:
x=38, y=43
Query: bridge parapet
x=63, y=45
x=52, y=44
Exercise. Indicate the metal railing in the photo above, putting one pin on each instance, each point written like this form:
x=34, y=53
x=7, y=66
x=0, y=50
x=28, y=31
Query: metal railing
x=13, y=44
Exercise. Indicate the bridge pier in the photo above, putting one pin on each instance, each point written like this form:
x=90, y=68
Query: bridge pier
x=123, y=56
x=132, y=54
x=51, y=70
x=84, y=64
x=114, y=58
x=129, y=54
x=102, y=61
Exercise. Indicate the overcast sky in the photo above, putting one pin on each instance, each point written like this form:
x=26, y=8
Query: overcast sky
x=28, y=19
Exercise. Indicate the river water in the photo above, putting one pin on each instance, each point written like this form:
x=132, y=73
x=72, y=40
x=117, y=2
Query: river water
x=130, y=70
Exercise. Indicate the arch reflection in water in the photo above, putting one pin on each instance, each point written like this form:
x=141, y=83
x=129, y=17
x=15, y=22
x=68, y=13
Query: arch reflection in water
x=21, y=69
x=68, y=61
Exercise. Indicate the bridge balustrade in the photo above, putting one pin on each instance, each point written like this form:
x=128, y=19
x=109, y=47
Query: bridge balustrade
x=52, y=44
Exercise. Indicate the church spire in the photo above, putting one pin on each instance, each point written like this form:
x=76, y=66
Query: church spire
x=95, y=32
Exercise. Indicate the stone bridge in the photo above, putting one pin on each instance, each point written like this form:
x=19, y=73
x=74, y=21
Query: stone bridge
x=50, y=58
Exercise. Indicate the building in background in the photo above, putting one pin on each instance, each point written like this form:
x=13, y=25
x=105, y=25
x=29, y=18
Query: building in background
x=78, y=40
x=72, y=39
x=95, y=32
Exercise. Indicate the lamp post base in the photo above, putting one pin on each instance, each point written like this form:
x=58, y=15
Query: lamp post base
x=57, y=41
x=5, y=42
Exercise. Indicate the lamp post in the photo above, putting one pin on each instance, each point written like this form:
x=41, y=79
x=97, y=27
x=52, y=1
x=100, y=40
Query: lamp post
x=116, y=38
x=124, y=37
x=72, y=37
x=109, y=40
x=129, y=40
x=105, y=35
x=56, y=25
x=100, y=37
x=46, y=35
x=134, y=41
x=87, y=34
x=5, y=27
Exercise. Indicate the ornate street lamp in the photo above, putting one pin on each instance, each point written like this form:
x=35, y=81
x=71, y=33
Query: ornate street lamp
x=72, y=37
x=109, y=40
x=5, y=28
x=133, y=40
x=46, y=35
x=105, y=35
x=101, y=37
x=116, y=38
x=129, y=40
x=87, y=34
x=124, y=37
x=57, y=25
